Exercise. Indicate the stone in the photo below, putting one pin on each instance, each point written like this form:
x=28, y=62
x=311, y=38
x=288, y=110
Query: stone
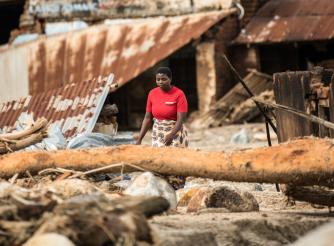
x=241, y=137
x=258, y=187
x=67, y=188
x=49, y=239
x=321, y=236
x=184, y=196
x=222, y=197
x=147, y=184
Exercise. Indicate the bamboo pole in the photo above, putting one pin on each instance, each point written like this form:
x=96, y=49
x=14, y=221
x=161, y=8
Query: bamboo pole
x=301, y=162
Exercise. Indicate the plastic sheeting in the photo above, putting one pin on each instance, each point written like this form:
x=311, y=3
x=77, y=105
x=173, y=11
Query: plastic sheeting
x=90, y=140
x=54, y=141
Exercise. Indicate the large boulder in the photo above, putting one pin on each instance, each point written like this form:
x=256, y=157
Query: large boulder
x=322, y=236
x=49, y=239
x=147, y=184
x=222, y=197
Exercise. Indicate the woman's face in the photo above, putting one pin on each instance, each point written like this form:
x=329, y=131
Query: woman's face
x=163, y=81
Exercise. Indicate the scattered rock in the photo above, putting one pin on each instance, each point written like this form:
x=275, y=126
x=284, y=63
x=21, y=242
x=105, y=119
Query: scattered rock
x=147, y=184
x=222, y=197
x=196, y=182
x=321, y=236
x=49, y=239
x=185, y=195
x=240, y=137
x=262, y=136
x=258, y=187
x=29, y=203
x=67, y=188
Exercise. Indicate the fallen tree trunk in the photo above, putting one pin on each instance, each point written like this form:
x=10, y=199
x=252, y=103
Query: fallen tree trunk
x=315, y=195
x=302, y=162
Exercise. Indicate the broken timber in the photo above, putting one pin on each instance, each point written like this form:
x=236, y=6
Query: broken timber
x=301, y=162
x=315, y=195
x=309, y=117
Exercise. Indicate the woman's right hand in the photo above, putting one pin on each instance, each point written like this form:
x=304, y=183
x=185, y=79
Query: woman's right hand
x=138, y=142
x=137, y=139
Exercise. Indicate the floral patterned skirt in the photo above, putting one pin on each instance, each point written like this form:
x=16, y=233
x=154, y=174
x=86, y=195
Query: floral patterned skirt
x=161, y=128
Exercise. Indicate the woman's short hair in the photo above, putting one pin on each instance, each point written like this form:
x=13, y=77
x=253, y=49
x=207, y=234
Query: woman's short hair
x=165, y=70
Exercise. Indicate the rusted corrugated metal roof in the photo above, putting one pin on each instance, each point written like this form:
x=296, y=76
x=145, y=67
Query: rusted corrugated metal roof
x=123, y=48
x=290, y=20
x=74, y=107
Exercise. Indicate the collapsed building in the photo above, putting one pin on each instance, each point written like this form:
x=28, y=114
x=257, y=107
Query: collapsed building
x=288, y=35
x=190, y=39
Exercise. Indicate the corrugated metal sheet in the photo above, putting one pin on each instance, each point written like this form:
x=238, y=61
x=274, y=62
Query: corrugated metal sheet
x=74, y=107
x=291, y=20
x=126, y=49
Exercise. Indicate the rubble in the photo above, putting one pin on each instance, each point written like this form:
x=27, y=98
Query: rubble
x=147, y=184
x=222, y=197
x=321, y=236
x=50, y=239
x=234, y=106
x=32, y=216
x=33, y=134
x=68, y=188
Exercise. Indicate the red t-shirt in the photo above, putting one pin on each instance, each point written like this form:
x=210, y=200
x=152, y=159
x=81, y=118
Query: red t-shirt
x=165, y=105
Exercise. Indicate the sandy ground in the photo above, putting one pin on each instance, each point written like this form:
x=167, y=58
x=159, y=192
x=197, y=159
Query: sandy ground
x=278, y=222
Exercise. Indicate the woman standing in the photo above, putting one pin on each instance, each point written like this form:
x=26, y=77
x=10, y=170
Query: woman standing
x=168, y=107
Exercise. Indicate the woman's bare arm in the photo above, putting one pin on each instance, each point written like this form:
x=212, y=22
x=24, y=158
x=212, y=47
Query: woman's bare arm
x=145, y=126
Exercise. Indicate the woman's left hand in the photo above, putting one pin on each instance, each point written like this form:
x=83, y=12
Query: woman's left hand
x=169, y=139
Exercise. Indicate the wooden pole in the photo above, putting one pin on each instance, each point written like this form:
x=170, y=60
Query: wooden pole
x=315, y=195
x=301, y=162
x=270, y=122
x=309, y=117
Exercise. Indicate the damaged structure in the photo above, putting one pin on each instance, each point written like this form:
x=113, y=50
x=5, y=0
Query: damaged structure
x=100, y=196
x=288, y=35
x=74, y=108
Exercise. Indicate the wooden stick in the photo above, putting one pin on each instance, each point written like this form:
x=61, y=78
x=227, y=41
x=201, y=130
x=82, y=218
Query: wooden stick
x=236, y=74
x=14, y=178
x=309, y=117
x=96, y=170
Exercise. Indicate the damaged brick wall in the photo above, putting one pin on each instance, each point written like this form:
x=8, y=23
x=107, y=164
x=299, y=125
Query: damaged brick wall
x=95, y=10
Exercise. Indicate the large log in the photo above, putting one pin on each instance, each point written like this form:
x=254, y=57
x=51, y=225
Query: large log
x=301, y=162
x=315, y=195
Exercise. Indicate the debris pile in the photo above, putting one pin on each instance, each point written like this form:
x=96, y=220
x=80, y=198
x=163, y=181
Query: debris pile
x=235, y=106
x=33, y=134
x=34, y=215
x=77, y=197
